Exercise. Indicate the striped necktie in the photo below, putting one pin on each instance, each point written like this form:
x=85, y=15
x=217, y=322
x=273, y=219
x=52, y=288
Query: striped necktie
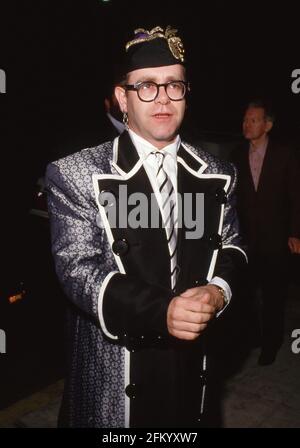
x=168, y=207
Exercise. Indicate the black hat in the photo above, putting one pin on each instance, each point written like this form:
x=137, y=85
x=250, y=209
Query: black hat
x=154, y=48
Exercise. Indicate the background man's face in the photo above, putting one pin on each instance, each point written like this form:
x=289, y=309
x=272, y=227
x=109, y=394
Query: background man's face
x=157, y=121
x=255, y=124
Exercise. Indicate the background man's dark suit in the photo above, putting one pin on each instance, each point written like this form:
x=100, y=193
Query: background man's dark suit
x=268, y=217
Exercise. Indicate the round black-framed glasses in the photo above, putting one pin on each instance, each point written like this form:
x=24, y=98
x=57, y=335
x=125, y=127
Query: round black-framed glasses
x=148, y=91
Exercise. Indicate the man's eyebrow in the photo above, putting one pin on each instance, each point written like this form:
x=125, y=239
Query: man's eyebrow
x=149, y=78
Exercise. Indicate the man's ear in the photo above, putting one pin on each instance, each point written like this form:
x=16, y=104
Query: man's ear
x=121, y=97
x=269, y=125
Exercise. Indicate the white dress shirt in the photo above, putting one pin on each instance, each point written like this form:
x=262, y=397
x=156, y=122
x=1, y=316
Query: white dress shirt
x=145, y=151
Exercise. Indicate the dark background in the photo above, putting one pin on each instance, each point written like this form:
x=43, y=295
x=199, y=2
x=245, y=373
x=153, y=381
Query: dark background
x=63, y=51
x=58, y=56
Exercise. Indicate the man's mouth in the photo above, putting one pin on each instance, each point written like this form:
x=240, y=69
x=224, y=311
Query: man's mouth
x=161, y=116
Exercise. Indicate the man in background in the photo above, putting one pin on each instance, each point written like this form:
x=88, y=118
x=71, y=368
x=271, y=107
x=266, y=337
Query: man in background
x=115, y=125
x=269, y=211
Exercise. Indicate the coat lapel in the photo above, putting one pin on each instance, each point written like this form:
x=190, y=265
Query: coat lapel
x=125, y=155
x=247, y=169
x=191, y=161
x=134, y=248
x=194, y=180
x=266, y=173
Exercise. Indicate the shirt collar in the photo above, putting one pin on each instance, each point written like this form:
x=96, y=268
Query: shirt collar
x=262, y=148
x=144, y=148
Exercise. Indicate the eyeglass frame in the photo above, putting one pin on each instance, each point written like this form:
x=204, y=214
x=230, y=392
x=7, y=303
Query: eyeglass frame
x=135, y=87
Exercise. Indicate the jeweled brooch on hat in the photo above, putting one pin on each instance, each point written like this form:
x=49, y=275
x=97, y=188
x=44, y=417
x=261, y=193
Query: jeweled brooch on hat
x=174, y=42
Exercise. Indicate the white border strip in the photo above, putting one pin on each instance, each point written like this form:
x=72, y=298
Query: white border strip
x=108, y=231
x=204, y=386
x=95, y=178
x=114, y=160
x=100, y=305
x=200, y=174
x=216, y=251
x=126, y=383
x=204, y=165
x=229, y=246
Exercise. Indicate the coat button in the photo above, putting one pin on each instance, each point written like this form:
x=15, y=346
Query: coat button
x=120, y=247
x=130, y=391
x=107, y=198
x=221, y=196
x=200, y=282
x=215, y=241
x=203, y=379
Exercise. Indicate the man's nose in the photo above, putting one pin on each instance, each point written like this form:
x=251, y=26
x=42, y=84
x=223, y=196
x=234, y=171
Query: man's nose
x=162, y=96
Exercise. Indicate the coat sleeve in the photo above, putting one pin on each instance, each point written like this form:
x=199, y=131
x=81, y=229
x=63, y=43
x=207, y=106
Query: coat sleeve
x=86, y=268
x=232, y=258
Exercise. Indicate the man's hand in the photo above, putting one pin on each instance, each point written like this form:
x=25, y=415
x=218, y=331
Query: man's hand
x=294, y=245
x=189, y=313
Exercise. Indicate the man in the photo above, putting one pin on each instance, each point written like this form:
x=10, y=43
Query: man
x=113, y=114
x=143, y=294
x=269, y=212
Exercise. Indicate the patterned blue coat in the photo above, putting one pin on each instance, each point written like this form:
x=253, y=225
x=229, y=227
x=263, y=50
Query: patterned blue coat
x=124, y=369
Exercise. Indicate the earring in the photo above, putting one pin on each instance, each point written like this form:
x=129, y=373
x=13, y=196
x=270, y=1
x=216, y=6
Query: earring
x=125, y=120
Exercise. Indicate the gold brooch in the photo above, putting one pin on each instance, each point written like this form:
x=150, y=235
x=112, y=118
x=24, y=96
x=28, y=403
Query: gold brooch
x=174, y=42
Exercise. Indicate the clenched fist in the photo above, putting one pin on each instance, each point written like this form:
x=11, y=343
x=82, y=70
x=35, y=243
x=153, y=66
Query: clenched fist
x=189, y=313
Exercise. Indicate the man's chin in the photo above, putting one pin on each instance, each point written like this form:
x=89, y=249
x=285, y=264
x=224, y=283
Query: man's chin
x=167, y=140
x=165, y=135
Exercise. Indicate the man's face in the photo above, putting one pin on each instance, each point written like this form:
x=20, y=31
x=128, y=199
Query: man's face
x=255, y=124
x=157, y=121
